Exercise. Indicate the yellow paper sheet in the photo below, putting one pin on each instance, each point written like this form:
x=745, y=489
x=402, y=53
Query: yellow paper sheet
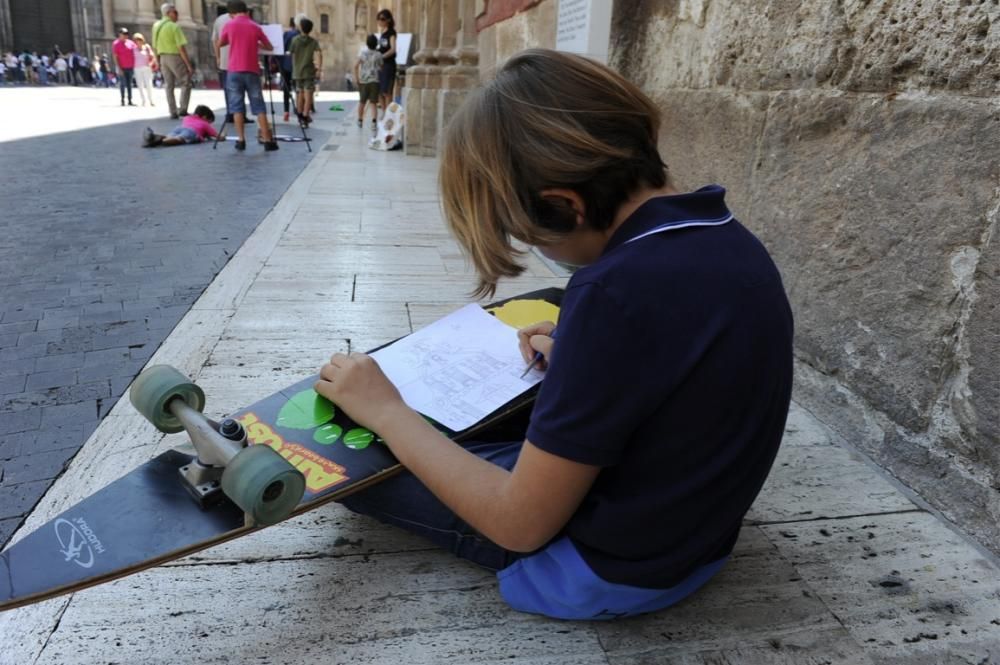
x=521, y=313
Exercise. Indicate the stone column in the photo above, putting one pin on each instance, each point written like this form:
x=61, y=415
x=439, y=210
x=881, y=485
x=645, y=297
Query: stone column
x=462, y=74
x=185, y=18
x=449, y=33
x=6, y=27
x=146, y=14
x=109, y=26
x=423, y=81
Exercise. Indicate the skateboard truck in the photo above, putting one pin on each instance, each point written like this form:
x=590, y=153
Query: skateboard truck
x=260, y=481
x=215, y=443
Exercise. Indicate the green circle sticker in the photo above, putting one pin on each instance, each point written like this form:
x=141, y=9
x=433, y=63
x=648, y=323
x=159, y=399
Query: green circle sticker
x=358, y=438
x=327, y=434
x=306, y=410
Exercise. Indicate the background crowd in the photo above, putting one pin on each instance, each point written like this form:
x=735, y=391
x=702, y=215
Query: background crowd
x=58, y=68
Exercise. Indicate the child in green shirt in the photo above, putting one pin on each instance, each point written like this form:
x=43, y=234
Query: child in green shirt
x=307, y=64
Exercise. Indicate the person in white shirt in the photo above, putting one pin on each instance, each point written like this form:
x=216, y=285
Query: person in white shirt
x=145, y=65
x=61, y=70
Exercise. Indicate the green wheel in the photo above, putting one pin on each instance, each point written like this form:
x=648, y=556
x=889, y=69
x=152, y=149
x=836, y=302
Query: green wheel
x=155, y=388
x=263, y=484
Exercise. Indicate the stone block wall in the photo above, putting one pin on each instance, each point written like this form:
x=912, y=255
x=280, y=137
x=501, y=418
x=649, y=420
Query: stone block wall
x=860, y=140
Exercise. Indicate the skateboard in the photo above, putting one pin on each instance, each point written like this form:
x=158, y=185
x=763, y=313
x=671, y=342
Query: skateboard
x=280, y=457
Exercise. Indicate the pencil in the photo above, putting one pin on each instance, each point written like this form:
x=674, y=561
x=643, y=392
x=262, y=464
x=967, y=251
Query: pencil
x=534, y=362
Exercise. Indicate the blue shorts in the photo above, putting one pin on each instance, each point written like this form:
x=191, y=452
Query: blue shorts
x=238, y=83
x=186, y=133
x=554, y=581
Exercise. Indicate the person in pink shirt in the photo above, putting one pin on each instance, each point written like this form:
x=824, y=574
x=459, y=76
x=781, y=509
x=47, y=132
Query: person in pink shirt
x=194, y=128
x=123, y=51
x=244, y=38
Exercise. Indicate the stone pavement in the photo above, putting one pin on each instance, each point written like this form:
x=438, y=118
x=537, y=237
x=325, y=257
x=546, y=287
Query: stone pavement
x=836, y=564
x=104, y=246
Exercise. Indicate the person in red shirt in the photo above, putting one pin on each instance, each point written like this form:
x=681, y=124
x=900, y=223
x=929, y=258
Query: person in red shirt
x=123, y=50
x=194, y=129
x=244, y=38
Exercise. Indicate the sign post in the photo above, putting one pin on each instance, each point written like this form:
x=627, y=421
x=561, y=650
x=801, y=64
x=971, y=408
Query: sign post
x=584, y=27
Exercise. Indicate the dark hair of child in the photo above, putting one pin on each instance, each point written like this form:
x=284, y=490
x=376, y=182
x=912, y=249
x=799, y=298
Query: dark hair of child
x=372, y=42
x=306, y=26
x=203, y=111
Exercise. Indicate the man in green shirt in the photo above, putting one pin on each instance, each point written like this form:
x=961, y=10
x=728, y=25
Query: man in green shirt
x=169, y=42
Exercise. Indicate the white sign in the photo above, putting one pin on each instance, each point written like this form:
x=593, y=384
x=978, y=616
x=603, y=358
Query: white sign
x=403, y=41
x=584, y=27
x=275, y=35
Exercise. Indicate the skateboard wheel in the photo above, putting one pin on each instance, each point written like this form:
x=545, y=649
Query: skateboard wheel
x=155, y=388
x=263, y=484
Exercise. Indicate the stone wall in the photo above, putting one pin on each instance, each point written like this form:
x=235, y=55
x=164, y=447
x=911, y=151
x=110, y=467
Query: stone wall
x=523, y=24
x=860, y=140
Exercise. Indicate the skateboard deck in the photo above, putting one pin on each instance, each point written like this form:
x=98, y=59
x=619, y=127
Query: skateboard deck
x=147, y=517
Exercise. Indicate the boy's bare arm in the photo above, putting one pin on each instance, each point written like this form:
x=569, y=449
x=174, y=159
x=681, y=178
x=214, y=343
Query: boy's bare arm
x=519, y=510
x=318, y=62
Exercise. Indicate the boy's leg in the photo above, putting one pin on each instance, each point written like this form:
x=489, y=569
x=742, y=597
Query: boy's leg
x=239, y=120
x=405, y=502
x=309, y=98
x=121, y=88
x=234, y=103
x=254, y=92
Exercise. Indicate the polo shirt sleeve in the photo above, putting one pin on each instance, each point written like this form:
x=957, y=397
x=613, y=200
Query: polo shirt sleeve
x=589, y=403
x=179, y=36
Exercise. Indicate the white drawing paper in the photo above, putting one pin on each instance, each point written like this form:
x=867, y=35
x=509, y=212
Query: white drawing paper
x=459, y=369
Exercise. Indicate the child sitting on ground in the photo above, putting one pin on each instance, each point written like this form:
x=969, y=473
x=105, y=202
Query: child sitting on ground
x=195, y=128
x=366, y=71
x=307, y=64
x=666, y=385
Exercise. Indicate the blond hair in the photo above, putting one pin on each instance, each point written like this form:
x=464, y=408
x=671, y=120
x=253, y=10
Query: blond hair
x=548, y=120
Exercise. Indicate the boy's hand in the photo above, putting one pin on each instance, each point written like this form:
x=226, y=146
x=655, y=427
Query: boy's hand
x=357, y=384
x=536, y=337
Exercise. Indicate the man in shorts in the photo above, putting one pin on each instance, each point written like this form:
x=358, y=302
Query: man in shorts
x=244, y=38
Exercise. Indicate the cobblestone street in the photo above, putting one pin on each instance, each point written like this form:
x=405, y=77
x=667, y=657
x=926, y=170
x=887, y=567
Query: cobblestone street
x=103, y=248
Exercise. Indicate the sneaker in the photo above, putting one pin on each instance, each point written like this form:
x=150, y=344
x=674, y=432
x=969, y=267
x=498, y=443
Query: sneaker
x=173, y=116
x=270, y=146
x=248, y=121
x=123, y=102
x=241, y=145
x=182, y=113
x=131, y=104
x=147, y=137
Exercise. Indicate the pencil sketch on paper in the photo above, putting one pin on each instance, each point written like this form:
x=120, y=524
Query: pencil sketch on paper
x=459, y=369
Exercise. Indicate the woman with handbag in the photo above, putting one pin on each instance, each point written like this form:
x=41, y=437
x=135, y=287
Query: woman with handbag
x=145, y=65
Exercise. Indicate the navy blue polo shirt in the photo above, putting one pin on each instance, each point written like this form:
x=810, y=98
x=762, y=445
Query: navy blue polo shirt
x=672, y=370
